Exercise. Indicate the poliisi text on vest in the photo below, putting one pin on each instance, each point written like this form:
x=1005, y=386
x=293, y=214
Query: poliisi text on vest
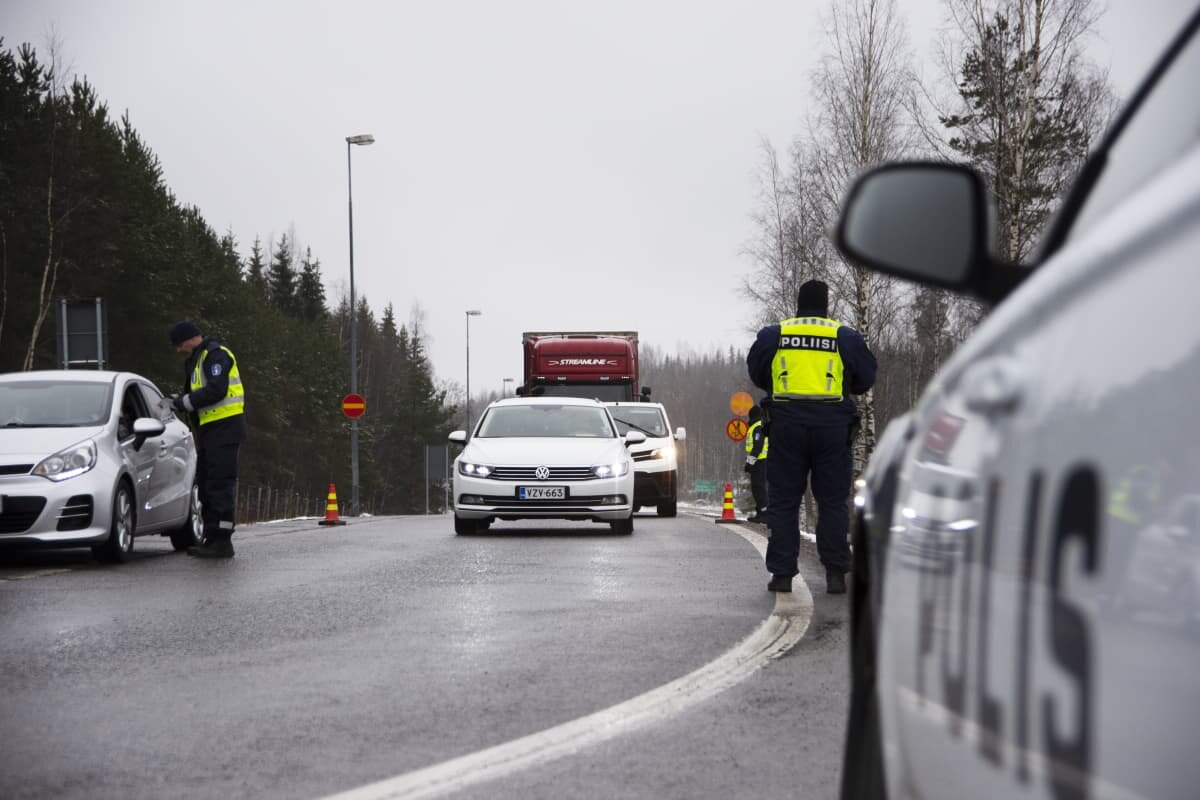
x=808, y=343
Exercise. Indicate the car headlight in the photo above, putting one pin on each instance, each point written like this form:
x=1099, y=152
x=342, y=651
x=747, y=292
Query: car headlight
x=667, y=452
x=474, y=470
x=615, y=469
x=64, y=464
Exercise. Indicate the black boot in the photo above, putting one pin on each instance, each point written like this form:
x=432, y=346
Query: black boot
x=835, y=582
x=212, y=548
x=780, y=583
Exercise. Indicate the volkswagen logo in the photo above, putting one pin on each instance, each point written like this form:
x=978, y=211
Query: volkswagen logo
x=541, y=473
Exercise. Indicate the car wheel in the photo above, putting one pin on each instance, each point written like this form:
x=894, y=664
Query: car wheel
x=862, y=756
x=624, y=527
x=667, y=508
x=119, y=544
x=637, y=507
x=464, y=526
x=192, y=530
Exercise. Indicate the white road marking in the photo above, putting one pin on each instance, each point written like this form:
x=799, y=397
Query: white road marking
x=774, y=637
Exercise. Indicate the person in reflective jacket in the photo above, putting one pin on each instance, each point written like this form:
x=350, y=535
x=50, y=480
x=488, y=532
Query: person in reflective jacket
x=810, y=364
x=214, y=400
x=757, y=448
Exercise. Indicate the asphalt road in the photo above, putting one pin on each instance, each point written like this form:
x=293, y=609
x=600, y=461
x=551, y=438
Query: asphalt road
x=321, y=660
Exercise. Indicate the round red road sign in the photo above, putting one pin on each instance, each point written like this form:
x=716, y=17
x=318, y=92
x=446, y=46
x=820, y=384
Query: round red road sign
x=354, y=405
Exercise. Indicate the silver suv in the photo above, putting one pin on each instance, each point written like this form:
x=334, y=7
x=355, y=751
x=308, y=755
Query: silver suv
x=1026, y=603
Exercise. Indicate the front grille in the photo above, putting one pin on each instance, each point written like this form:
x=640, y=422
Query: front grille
x=556, y=474
x=76, y=514
x=15, y=469
x=20, y=513
x=512, y=504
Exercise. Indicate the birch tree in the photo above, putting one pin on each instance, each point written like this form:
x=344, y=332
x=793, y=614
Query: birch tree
x=861, y=87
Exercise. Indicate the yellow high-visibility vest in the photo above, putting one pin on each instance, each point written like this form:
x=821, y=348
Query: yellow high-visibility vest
x=234, y=401
x=750, y=440
x=807, y=364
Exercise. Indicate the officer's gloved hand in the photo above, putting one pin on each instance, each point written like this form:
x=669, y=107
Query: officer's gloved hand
x=746, y=468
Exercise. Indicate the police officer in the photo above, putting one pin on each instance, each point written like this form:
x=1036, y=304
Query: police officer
x=810, y=364
x=214, y=399
x=756, y=463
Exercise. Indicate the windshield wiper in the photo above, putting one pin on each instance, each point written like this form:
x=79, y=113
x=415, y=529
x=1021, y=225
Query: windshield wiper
x=41, y=425
x=640, y=428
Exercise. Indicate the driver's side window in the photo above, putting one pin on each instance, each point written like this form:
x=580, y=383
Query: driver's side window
x=132, y=407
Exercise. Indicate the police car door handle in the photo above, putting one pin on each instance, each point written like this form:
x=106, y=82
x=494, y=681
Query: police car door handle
x=994, y=386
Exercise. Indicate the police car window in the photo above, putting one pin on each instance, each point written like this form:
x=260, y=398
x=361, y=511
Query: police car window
x=153, y=400
x=1161, y=130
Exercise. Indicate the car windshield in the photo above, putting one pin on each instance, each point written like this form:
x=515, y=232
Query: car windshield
x=54, y=404
x=647, y=419
x=565, y=421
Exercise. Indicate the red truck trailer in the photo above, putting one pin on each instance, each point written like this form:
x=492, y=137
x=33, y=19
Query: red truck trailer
x=599, y=364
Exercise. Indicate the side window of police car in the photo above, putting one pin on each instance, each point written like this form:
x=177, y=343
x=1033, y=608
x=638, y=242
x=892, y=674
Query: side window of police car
x=1160, y=130
x=153, y=400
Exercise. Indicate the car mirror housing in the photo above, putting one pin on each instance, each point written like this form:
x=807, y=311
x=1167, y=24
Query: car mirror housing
x=146, y=428
x=634, y=437
x=458, y=437
x=680, y=434
x=923, y=221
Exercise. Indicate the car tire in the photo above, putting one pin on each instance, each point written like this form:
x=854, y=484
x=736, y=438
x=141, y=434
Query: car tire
x=464, y=526
x=667, y=508
x=191, y=532
x=862, y=755
x=121, y=529
x=637, y=507
x=623, y=527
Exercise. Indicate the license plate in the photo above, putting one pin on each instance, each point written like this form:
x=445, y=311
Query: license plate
x=541, y=492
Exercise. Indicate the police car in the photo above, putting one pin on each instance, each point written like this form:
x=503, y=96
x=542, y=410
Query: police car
x=1027, y=553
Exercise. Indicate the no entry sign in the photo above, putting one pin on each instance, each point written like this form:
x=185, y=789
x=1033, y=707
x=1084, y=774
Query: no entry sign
x=354, y=405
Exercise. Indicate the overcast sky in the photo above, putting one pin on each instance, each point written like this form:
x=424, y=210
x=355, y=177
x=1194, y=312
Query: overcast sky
x=557, y=165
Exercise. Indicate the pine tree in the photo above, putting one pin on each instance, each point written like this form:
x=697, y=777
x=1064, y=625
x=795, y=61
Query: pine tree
x=281, y=278
x=311, y=292
x=256, y=275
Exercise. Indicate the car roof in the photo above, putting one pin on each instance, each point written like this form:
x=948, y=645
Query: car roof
x=637, y=403
x=547, y=401
x=73, y=375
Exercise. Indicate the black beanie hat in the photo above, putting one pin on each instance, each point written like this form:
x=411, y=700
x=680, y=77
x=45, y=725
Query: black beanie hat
x=182, y=331
x=813, y=297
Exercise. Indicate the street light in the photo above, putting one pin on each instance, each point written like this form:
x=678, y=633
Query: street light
x=504, y=390
x=364, y=138
x=472, y=313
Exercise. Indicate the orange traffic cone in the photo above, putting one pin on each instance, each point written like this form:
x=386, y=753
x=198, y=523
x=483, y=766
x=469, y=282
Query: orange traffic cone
x=331, y=509
x=727, y=505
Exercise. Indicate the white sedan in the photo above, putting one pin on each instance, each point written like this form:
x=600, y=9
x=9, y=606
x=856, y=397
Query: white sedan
x=93, y=459
x=544, y=458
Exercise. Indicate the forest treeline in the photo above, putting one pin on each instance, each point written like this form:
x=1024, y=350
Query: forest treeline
x=84, y=213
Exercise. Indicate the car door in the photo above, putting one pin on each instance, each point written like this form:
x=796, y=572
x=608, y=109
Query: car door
x=175, y=458
x=141, y=458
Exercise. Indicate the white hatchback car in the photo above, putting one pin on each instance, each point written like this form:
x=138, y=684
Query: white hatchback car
x=92, y=458
x=655, y=465
x=544, y=458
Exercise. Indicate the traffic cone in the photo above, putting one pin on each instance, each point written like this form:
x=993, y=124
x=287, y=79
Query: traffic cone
x=727, y=506
x=331, y=509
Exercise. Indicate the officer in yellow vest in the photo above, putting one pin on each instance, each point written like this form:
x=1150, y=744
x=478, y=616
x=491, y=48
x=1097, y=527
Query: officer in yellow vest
x=214, y=399
x=810, y=364
x=756, y=463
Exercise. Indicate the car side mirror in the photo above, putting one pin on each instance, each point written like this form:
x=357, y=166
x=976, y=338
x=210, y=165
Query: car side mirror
x=146, y=428
x=634, y=437
x=458, y=437
x=923, y=221
x=680, y=434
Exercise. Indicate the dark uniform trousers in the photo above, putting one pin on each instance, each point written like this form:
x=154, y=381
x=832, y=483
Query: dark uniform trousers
x=758, y=484
x=796, y=452
x=216, y=475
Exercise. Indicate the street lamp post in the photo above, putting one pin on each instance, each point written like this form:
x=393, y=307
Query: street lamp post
x=360, y=139
x=504, y=390
x=471, y=313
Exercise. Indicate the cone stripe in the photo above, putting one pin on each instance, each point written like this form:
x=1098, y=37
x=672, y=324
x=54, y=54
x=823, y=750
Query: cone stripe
x=331, y=508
